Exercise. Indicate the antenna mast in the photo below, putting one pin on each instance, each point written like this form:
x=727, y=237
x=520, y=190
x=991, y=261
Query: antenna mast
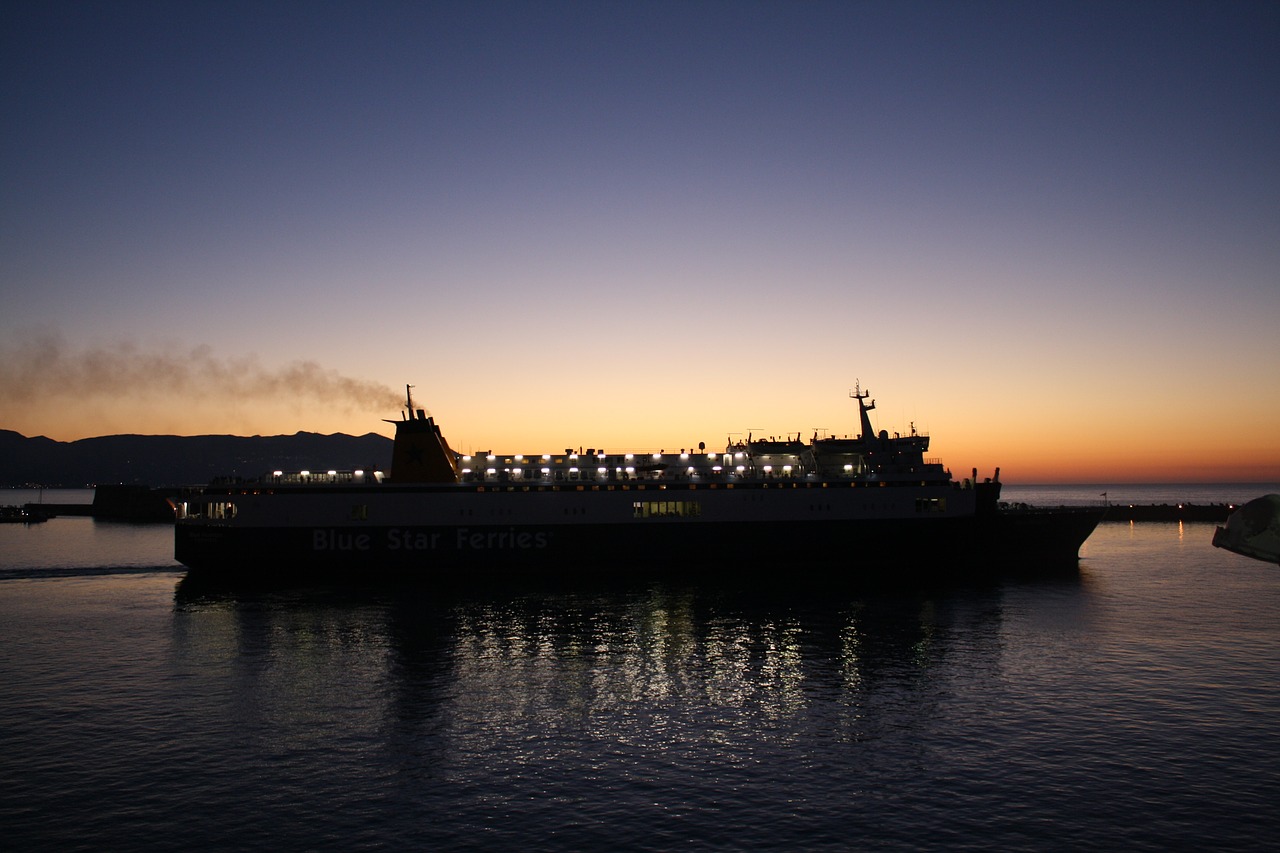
x=863, y=407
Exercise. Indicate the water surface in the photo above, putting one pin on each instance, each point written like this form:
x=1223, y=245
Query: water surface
x=1130, y=706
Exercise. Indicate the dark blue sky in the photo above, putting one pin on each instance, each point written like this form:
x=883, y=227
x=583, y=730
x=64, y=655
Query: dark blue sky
x=649, y=196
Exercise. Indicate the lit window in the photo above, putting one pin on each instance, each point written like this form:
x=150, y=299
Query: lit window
x=666, y=509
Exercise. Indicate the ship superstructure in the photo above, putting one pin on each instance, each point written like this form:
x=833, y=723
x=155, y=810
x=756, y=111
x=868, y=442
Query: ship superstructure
x=869, y=458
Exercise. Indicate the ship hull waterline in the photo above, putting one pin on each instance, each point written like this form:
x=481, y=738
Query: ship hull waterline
x=872, y=548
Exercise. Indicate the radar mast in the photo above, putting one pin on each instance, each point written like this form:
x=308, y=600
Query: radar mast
x=863, y=407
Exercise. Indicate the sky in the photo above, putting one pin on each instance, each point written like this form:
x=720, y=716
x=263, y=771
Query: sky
x=1047, y=234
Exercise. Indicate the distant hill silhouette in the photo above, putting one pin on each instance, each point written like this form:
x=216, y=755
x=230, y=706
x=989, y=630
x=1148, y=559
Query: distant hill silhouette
x=175, y=460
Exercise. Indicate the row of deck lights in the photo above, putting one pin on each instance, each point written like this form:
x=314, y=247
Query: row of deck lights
x=356, y=474
x=601, y=471
x=630, y=470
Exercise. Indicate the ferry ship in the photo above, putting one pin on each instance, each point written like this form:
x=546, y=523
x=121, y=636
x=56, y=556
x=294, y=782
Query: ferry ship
x=866, y=505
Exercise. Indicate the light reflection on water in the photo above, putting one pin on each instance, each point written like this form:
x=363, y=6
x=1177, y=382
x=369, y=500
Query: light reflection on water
x=1131, y=705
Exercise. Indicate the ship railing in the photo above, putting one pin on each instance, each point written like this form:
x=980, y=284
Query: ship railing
x=737, y=462
x=317, y=478
x=602, y=475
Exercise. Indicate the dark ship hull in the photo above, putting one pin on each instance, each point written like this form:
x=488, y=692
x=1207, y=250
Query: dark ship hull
x=881, y=548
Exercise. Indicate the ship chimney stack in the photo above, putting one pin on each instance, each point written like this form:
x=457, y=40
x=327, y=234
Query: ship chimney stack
x=420, y=453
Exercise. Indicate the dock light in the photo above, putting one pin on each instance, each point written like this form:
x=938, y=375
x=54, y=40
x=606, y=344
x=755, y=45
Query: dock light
x=768, y=469
x=277, y=473
x=711, y=456
x=491, y=472
x=657, y=456
x=466, y=459
x=489, y=458
x=848, y=468
x=333, y=473
x=519, y=457
x=546, y=472
x=684, y=455
x=546, y=456
x=359, y=472
x=741, y=468
x=630, y=456
x=304, y=473
x=630, y=470
x=602, y=471
x=786, y=469
x=573, y=456
x=466, y=470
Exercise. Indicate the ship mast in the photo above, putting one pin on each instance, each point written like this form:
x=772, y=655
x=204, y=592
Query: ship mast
x=863, y=407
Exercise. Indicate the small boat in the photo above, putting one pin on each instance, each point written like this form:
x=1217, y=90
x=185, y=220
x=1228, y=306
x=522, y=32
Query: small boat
x=21, y=515
x=1253, y=530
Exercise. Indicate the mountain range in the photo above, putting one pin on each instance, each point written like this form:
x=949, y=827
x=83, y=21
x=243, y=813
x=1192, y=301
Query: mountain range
x=175, y=460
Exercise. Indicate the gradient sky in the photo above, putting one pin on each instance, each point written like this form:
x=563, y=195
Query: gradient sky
x=1046, y=233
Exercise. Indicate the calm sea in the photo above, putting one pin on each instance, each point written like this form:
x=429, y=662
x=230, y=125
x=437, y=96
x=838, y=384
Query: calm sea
x=1134, y=706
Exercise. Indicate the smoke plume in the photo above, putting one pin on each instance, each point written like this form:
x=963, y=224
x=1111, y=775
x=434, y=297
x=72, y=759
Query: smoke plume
x=44, y=367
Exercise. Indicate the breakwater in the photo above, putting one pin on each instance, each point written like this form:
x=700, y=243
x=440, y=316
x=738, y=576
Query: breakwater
x=1169, y=512
x=116, y=503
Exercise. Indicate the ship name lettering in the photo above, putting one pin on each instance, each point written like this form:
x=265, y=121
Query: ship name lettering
x=333, y=540
x=407, y=540
x=509, y=538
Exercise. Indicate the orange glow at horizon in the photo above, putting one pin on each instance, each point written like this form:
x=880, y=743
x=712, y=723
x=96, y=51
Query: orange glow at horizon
x=1034, y=443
